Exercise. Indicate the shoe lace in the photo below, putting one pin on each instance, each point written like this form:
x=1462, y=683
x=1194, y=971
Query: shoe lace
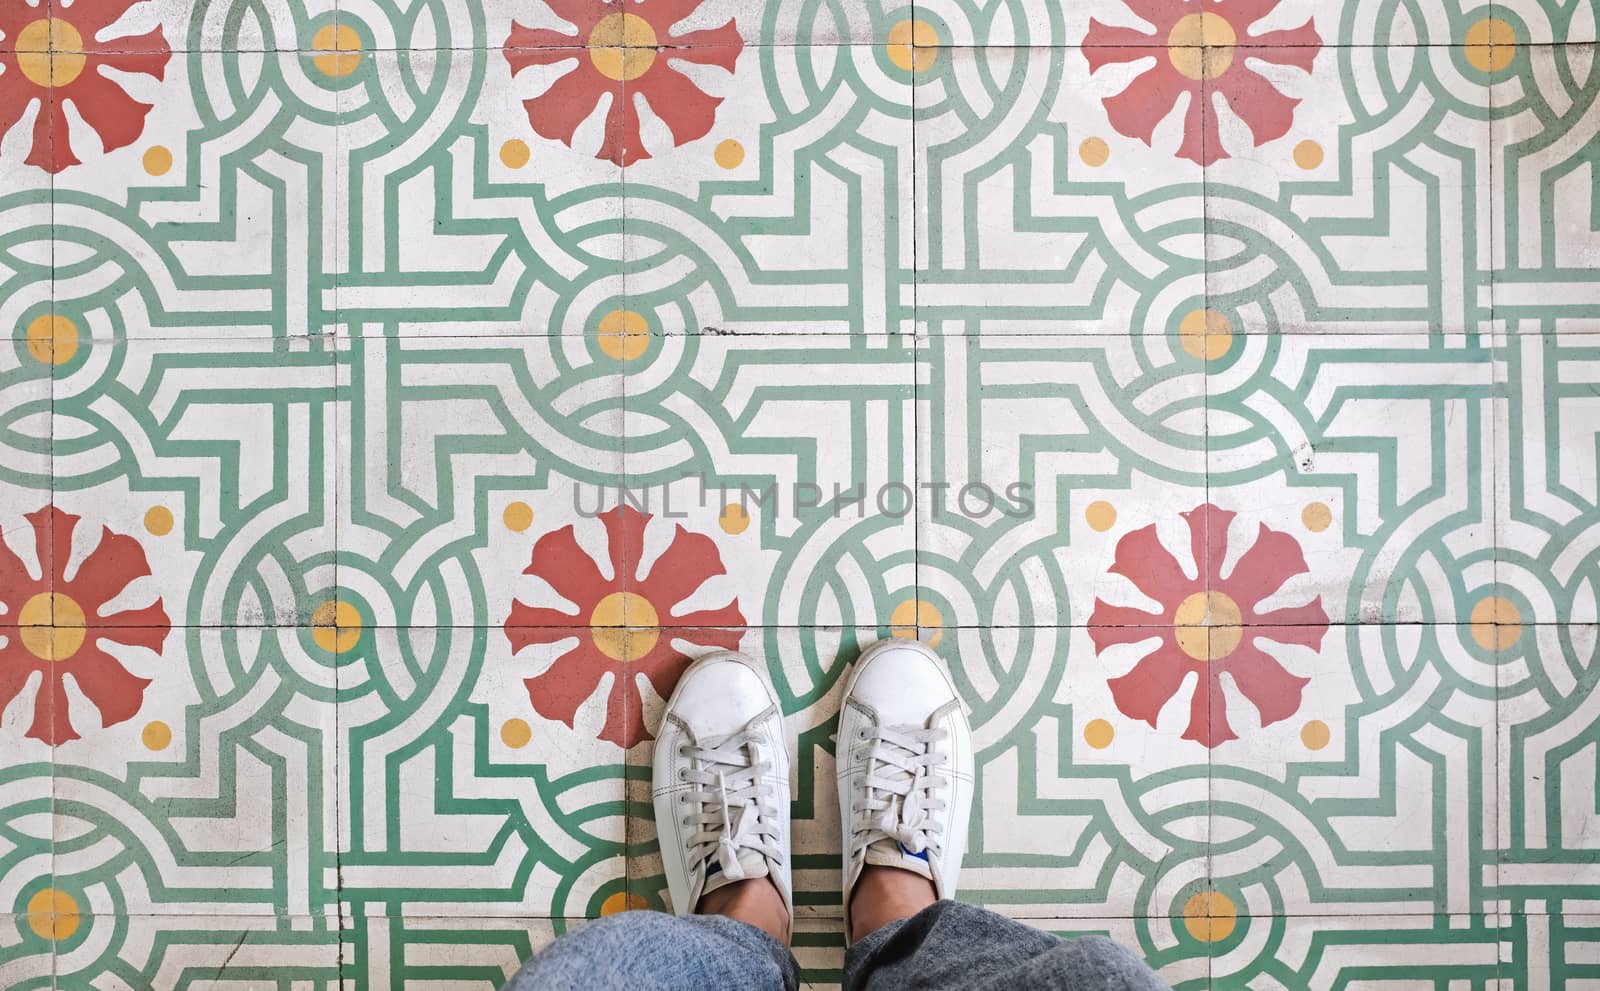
x=732, y=803
x=904, y=784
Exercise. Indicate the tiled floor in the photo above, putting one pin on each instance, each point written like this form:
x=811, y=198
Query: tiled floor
x=398, y=392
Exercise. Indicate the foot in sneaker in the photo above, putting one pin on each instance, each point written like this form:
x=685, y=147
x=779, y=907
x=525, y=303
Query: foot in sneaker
x=904, y=752
x=721, y=791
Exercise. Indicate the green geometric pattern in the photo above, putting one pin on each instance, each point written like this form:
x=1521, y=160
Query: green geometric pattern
x=399, y=390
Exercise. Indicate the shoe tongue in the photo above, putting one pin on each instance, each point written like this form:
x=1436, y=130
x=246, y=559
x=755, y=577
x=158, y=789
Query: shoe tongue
x=753, y=864
x=887, y=852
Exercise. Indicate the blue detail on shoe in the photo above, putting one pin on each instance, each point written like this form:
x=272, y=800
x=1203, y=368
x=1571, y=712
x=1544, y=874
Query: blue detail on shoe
x=923, y=856
x=715, y=868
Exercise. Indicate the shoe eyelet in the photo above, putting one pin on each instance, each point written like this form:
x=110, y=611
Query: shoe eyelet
x=683, y=774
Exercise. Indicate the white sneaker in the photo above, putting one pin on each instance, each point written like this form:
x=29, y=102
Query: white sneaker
x=904, y=752
x=721, y=784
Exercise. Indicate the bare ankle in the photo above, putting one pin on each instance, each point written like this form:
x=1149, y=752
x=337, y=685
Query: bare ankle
x=754, y=902
x=887, y=894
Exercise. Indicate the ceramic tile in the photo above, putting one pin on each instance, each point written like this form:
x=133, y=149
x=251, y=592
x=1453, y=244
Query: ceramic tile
x=770, y=209
x=1044, y=462
x=1362, y=778
x=1545, y=152
x=456, y=501
x=455, y=951
x=192, y=480
x=130, y=786
x=1355, y=465
x=1309, y=951
x=1055, y=194
x=1555, y=950
x=787, y=463
x=538, y=254
x=540, y=813
x=27, y=948
x=1319, y=208
x=1561, y=22
x=1546, y=765
x=1547, y=490
x=164, y=951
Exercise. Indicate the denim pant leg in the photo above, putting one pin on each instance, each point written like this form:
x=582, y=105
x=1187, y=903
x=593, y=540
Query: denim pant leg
x=653, y=951
x=956, y=946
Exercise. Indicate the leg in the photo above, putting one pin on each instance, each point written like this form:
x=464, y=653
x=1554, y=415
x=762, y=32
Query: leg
x=952, y=945
x=652, y=951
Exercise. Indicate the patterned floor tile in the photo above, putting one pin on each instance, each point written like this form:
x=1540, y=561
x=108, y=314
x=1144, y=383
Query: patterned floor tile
x=1546, y=113
x=1316, y=206
x=1366, y=455
x=447, y=801
x=1547, y=498
x=1549, y=833
x=1558, y=950
x=1042, y=461
x=214, y=498
x=1090, y=224
x=790, y=215
x=1547, y=21
x=787, y=461
x=1363, y=775
x=1370, y=949
x=452, y=951
x=27, y=949
x=164, y=952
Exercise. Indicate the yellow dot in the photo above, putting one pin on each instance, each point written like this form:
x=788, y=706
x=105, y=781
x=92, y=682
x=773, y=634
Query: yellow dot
x=158, y=520
x=157, y=160
x=1207, y=626
x=1205, y=334
x=1094, y=152
x=1496, y=623
x=1316, y=516
x=53, y=914
x=1098, y=734
x=50, y=52
x=52, y=339
x=157, y=735
x=1101, y=515
x=622, y=902
x=622, y=46
x=1209, y=916
x=336, y=626
x=1491, y=44
x=516, y=733
x=518, y=516
x=1200, y=46
x=913, y=45
x=1315, y=734
x=624, y=335
x=1308, y=154
x=51, y=626
x=729, y=154
x=515, y=154
x=734, y=518
x=913, y=616
x=623, y=626
x=341, y=48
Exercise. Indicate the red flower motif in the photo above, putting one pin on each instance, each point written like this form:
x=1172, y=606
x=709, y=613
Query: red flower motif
x=45, y=58
x=626, y=50
x=51, y=625
x=623, y=614
x=1206, y=625
x=1201, y=57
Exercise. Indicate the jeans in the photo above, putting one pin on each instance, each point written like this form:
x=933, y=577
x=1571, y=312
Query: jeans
x=946, y=945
